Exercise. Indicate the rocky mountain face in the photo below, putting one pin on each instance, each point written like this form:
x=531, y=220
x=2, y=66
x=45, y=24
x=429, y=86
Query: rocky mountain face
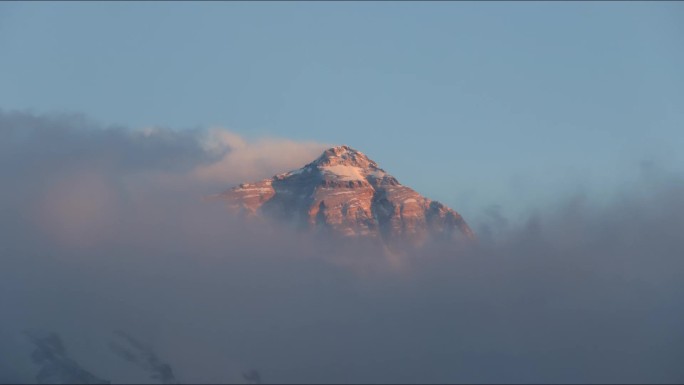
x=345, y=193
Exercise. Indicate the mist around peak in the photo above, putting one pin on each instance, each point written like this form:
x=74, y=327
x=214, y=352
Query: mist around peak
x=121, y=273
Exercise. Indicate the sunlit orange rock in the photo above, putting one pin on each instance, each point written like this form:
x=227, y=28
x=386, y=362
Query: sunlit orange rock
x=347, y=194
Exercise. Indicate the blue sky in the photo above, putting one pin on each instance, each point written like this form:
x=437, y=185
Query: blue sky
x=509, y=103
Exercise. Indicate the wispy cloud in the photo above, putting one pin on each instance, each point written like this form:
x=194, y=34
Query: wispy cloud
x=243, y=160
x=102, y=229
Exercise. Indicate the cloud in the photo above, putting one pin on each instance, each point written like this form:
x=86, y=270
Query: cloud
x=243, y=161
x=102, y=229
x=80, y=176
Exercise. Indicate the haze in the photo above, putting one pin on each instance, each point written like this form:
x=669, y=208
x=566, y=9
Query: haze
x=553, y=128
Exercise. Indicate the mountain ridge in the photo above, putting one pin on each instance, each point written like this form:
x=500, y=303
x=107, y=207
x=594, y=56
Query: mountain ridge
x=345, y=193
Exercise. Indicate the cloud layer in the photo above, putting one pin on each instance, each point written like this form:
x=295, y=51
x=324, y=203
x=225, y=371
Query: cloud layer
x=103, y=234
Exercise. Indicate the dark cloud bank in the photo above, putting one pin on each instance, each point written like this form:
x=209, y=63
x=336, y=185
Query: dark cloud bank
x=113, y=269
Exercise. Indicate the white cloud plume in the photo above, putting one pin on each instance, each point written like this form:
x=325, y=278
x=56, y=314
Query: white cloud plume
x=244, y=161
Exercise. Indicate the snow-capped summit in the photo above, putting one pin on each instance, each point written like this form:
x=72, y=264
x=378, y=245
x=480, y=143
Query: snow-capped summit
x=344, y=156
x=341, y=163
x=346, y=193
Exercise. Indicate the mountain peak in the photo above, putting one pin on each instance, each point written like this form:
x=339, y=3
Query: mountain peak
x=346, y=193
x=345, y=156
